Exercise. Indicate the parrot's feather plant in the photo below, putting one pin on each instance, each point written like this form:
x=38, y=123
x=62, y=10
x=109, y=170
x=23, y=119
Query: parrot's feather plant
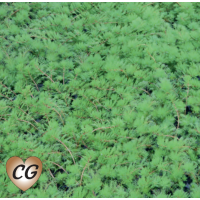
x=107, y=95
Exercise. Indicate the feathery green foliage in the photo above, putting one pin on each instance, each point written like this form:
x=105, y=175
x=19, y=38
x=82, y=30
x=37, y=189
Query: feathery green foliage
x=105, y=94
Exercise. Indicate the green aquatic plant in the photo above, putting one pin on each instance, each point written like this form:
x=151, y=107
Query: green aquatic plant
x=105, y=94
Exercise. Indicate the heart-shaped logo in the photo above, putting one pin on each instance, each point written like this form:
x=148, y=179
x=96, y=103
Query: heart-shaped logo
x=24, y=175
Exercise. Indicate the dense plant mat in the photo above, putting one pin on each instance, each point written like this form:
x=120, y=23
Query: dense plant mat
x=105, y=94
